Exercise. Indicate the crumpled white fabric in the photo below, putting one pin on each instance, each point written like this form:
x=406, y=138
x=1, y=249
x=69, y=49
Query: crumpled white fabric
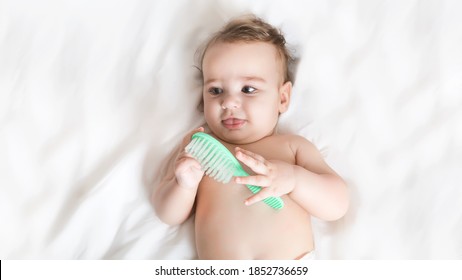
x=95, y=94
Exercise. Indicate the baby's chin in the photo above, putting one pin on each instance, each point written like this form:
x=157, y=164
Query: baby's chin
x=239, y=137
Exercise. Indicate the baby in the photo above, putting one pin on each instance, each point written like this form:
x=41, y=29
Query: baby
x=246, y=86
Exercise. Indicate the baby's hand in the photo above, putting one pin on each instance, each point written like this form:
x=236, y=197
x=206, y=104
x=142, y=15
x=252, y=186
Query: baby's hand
x=275, y=177
x=188, y=171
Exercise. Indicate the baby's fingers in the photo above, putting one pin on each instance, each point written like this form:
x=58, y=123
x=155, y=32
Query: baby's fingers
x=186, y=162
x=256, y=180
x=256, y=162
x=264, y=193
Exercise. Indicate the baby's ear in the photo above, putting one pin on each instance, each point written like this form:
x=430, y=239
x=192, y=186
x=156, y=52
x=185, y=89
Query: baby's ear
x=284, y=96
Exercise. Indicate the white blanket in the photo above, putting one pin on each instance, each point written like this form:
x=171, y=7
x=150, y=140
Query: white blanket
x=95, y=94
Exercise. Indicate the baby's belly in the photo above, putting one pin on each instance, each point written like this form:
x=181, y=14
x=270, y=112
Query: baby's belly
x=227, y=229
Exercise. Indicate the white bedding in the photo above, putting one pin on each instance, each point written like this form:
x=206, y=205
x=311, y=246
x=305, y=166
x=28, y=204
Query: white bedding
x=95, y=94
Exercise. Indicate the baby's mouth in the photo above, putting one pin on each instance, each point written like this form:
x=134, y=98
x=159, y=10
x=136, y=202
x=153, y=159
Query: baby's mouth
x=233, y=123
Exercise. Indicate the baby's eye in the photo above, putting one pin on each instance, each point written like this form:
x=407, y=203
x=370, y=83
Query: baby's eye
x=215, y=91
x=248, y=89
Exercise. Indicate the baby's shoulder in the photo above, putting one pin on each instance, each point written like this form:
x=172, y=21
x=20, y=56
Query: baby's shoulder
x=294, y=141
x=293, y=144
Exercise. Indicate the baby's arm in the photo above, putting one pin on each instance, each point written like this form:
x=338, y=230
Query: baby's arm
x=174, y=198
x=318, y=188
x=310, y=182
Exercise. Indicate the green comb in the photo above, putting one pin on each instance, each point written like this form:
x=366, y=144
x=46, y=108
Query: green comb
x=220, y=164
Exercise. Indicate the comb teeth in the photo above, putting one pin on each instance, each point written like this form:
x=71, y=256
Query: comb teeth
x=214, y=163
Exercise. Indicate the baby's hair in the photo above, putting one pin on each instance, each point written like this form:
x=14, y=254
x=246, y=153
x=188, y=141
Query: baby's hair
x=250, y=28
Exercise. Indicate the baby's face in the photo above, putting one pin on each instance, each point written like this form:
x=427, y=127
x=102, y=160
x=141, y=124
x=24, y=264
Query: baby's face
x=243, y=90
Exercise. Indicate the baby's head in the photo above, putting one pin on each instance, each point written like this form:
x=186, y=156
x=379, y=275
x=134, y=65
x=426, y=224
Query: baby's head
x=246, y=80
x=251, y=29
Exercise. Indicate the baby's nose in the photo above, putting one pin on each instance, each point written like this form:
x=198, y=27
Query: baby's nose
x=231, y=102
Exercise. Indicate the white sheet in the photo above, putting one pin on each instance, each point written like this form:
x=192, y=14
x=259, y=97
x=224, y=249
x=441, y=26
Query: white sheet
x=94, y=94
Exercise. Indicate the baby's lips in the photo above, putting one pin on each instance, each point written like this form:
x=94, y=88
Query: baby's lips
x=232, y=121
